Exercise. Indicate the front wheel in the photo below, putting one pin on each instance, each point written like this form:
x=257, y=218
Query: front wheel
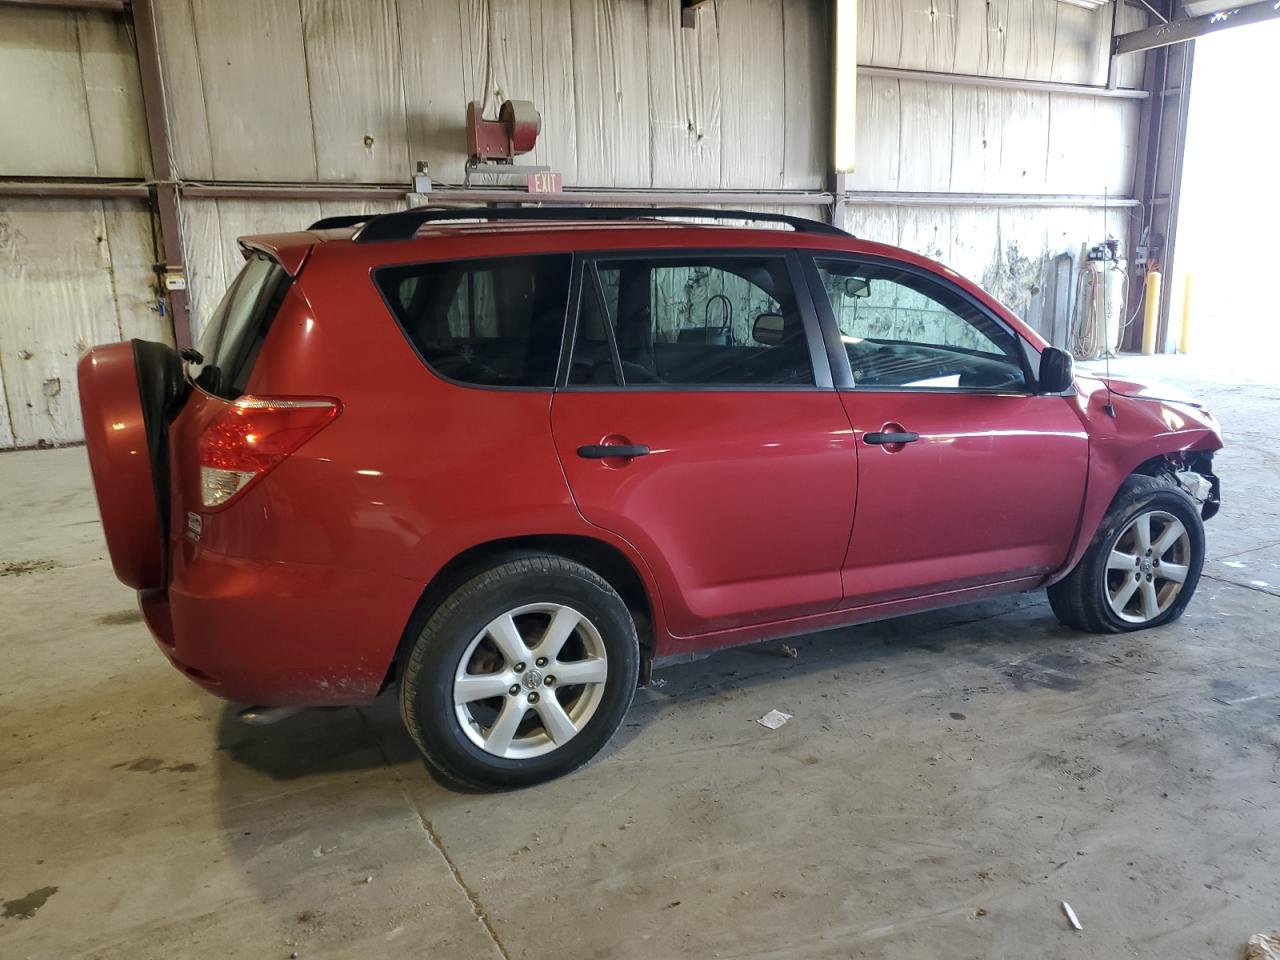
x=1143, y=565
x=521, y=675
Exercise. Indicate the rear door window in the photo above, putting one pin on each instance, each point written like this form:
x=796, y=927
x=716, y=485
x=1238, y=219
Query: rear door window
x=697, y=321
x=231, y=341
x=493, y=322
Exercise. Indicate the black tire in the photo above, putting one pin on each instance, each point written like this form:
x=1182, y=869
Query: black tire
x=428, y=675
x=1081, y=599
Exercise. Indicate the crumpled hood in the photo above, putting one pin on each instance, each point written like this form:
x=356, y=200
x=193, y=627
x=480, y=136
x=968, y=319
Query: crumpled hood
x=1148, y=391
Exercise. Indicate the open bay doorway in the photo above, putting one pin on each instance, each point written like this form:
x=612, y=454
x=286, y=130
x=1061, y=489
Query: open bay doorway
x=1230, y=209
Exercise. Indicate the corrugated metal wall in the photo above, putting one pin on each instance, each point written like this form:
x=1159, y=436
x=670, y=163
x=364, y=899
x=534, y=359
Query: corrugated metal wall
x=359, y=90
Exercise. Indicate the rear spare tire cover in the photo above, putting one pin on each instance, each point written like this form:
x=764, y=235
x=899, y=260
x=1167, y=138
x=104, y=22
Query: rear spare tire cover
x=127, y=392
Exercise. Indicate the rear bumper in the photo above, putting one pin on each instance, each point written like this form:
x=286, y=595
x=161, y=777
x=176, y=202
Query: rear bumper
x=280, y=634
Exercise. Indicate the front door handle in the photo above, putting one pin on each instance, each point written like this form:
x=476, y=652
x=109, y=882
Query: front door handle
x=600, y=451
x=902, y=437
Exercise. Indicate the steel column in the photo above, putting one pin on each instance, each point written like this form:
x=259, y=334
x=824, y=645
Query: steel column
x=166, y=187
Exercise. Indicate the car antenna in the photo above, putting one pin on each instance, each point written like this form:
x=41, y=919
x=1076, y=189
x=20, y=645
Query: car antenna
x=1106, y=346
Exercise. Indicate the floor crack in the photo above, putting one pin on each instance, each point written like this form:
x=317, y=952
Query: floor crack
x=470, y=894
x=438, y=845
x=1242, y=586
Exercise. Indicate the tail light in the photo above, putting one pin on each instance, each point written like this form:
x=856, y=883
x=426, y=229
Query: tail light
x=252, y=437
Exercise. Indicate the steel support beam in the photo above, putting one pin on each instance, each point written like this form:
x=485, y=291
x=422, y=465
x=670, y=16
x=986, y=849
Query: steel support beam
x=1179, y=31
x=333, y=191
x=1164, y=113
x=166, y=187
x=1175, y=199
x=947, y=199
x=70, y=188
x=110, y=6
x=636, y=196
x=1005, y=83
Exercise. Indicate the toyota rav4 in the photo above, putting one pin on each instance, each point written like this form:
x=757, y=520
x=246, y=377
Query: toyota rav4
x=506, y=460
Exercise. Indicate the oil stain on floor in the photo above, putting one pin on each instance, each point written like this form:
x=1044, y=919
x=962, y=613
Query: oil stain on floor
x=24, y=908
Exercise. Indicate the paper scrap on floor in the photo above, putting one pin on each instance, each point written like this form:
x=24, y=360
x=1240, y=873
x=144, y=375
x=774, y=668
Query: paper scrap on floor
x=774, y=719
x=1071, y=915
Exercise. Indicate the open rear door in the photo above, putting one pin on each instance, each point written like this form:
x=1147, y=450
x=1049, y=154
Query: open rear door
x=128, y=394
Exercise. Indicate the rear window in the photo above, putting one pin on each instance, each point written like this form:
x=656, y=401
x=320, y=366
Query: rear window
x=493, y=322
x=231, y=341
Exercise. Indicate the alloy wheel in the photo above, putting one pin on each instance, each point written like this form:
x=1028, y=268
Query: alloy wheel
x=1147, y=566
x=530, y=680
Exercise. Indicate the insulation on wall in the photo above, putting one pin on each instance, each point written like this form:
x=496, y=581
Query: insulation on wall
x=70, y=98
x=73, y=273
x=361, y=90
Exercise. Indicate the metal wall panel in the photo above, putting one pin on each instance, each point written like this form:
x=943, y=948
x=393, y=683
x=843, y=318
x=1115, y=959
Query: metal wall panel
x=611, y=93
x=360, y=90
x=356, y=94
x=1023, y=39
x=73, y=273
x=806, y=57
x=70, y=100
x=253, y=69
x=752, y=94
x=684, y=98
x=917, y=135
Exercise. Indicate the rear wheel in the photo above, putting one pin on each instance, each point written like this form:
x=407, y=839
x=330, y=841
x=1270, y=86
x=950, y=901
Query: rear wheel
x=1143, y=565
x=521, y=675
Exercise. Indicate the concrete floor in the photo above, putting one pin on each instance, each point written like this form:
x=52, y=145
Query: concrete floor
x=948, y=779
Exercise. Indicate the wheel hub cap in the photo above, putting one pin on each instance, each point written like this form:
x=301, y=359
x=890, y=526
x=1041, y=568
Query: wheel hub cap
x=532, y=680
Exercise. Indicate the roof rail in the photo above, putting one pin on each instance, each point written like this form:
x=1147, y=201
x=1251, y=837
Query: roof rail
x=347, y=220
x=405, y=224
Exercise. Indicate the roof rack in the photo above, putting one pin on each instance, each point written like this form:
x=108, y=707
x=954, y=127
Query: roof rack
x=405, y=224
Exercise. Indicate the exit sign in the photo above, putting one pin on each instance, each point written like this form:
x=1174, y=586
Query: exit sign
x=546, y=182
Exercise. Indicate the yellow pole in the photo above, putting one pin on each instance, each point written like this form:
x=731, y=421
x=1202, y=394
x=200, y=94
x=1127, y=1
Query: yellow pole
x=1151, y=311
x=1185, y=340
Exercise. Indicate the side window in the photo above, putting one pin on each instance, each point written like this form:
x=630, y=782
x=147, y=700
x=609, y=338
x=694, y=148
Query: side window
x=699, y=321
x=493, y=322
x=234, y=335
x=906, y=331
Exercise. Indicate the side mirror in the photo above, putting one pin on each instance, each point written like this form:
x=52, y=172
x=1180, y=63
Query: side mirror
x=857, y=287
x=768, y=329
x=1057, y=371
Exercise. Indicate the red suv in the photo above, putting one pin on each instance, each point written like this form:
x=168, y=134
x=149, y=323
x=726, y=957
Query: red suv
x=509, y=459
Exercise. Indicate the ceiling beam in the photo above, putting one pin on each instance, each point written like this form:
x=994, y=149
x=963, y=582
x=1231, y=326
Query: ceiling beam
x=1180, y=31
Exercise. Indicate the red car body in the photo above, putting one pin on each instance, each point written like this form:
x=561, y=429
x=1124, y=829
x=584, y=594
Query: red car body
x=758, y=514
